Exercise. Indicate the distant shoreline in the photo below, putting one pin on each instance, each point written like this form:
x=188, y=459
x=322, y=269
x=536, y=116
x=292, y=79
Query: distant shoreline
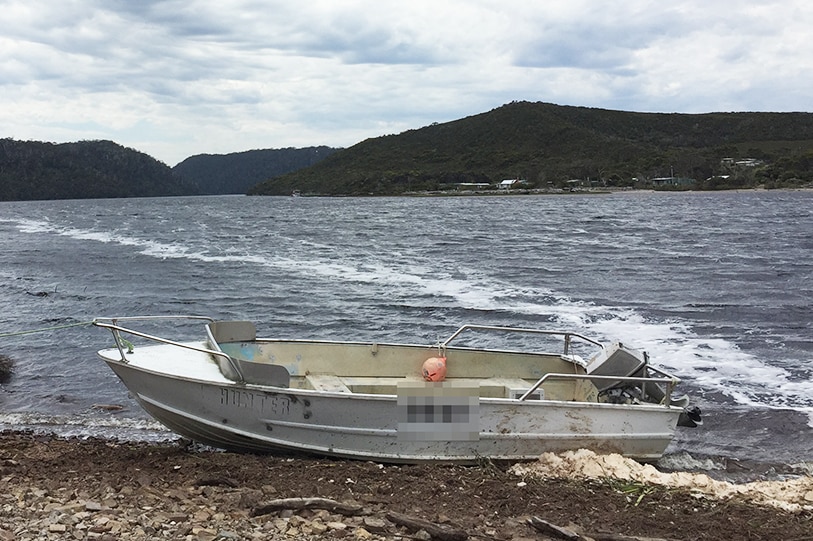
x=601, y=191
x=738, y=190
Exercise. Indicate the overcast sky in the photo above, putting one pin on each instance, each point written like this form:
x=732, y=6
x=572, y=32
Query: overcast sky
x=183, y=77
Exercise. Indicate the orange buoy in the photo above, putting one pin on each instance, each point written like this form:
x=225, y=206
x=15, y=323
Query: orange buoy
x=434, y=369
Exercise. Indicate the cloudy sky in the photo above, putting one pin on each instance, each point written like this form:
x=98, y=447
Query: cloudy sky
x=176, y=78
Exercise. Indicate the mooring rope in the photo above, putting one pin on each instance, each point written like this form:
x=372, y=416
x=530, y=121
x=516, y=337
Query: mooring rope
x=46, y=329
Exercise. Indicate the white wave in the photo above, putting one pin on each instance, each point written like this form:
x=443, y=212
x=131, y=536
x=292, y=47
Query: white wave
x=147, y=247
x=87, y=425
x=686, y=462
x=31, y=226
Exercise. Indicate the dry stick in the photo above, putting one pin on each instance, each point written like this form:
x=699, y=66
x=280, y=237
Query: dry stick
x=346, y=509
x=435, y=530
x=558, y=532
x=553, y=530
x=622, y=537
x=216, y=482
x=442, y=533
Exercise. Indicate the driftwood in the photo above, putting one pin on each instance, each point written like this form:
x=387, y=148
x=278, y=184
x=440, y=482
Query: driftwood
x=437, y=531
x=553, y=530
x=216, y=482
x=558, y=532
x=622, y=537
x=347, y=509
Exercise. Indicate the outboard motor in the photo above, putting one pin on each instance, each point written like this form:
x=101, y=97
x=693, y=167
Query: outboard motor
x=618, y=360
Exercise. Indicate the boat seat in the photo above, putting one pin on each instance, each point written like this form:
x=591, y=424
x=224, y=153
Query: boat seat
x=327, y=383
x=516, y=387
x=232, y=331
x=264, y=373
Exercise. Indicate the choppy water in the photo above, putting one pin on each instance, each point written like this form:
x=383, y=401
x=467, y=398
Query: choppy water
x=717, y=287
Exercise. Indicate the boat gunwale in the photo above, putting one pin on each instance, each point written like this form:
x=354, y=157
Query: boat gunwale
x=386, y=397
x=668, y=380
x=440, y=346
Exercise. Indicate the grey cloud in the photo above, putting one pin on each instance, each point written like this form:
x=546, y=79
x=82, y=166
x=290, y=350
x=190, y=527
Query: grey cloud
x=601, y=40
x=573, y=52
x=235, y=72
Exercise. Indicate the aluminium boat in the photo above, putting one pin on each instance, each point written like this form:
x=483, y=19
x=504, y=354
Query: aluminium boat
x=398, y=403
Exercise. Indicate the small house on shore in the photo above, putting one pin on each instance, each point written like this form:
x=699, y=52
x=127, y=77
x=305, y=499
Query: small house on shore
x=509, y=183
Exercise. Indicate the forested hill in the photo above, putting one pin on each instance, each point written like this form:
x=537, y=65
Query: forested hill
x=83, y=170
x=237, y=172
x=95, y=169
x=542, y=144
x=546, y=145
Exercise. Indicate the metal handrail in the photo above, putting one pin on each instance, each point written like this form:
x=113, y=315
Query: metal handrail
x=667, y=398
x=668, y=380
x=116, y=329
x=568, y=336
x=661, y=372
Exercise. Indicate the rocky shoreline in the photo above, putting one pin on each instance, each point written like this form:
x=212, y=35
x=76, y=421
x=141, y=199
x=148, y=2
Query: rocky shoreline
x=55, y=488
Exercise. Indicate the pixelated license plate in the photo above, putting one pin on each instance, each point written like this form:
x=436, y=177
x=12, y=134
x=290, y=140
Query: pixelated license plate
x=438, y=411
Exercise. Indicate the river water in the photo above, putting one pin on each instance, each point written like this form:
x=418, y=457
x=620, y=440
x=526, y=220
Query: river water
x=717, y=287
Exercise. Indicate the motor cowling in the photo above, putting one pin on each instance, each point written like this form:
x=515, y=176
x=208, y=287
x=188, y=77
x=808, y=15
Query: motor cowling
x=616, y=360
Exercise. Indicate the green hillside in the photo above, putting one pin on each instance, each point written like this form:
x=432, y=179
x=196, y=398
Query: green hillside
x=85, y=170
x=547, y=145
x=237, y=172
x=97, y=169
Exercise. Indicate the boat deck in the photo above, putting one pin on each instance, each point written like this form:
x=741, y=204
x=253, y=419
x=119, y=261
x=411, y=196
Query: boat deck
x=174, y=361
x=487, y=388
x=192, y=364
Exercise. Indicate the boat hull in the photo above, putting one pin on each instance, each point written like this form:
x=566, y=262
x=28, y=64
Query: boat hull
x=255, y=418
